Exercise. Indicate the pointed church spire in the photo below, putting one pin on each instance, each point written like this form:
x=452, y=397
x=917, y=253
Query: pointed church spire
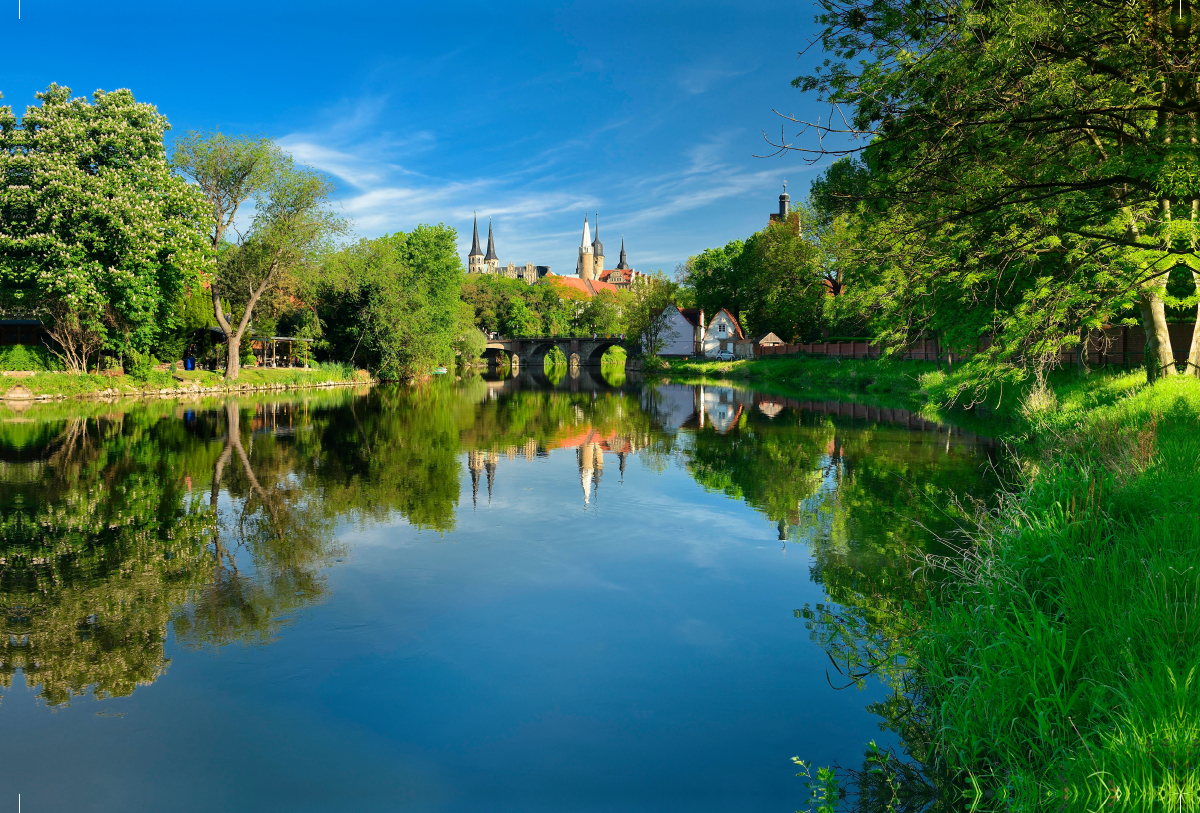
x=491, y=252
x=475, y=251
x=624, y=264
x=586, y=243
x=597, y=246
x=584, y=267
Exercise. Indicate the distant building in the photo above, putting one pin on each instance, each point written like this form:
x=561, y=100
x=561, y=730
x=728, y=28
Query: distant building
x=784, y=206
x=684, y=331
x=721, y=334
x=479, y=262
x=575, y=288
x=590, y=264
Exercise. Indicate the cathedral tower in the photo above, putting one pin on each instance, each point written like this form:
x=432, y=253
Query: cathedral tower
x=585, y=266
x=490, y=258
x=597, y=250
x=475, y=258
x=785, y=202
x=623, y=265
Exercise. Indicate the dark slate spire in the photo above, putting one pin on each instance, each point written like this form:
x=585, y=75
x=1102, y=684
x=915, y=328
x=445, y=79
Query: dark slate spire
x=597, y=246
x=623, y=265
x=475, y=250
x=491, y=252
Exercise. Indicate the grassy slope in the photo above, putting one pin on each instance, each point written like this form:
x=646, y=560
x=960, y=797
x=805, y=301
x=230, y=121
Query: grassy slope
x=1067, y=660
x=69, y=385
x=894, y=383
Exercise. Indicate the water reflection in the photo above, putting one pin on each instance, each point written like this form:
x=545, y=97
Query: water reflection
x=217, y=522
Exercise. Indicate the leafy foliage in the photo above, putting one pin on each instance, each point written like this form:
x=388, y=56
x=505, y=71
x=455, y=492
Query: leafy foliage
x=1027, y=167
x=392, y=303
x=96, y=233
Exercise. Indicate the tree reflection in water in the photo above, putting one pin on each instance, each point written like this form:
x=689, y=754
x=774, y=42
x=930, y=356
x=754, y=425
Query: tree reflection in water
x=218, y=520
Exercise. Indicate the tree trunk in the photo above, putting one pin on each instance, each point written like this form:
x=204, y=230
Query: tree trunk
x=233, y=356
x=1081, y=355
x=1159, y=358
x=1193, y=367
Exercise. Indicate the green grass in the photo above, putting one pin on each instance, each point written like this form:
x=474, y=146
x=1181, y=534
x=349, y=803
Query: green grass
x=69, y=385
x=895, y=381
x=1065, y=661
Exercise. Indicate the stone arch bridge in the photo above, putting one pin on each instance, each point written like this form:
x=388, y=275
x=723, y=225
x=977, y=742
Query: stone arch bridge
x=583, y=351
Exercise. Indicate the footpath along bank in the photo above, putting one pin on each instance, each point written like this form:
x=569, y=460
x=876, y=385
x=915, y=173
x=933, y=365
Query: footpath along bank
x=1059, y=665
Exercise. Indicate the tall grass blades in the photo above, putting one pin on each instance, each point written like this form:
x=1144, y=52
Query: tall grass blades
x=1063, y=669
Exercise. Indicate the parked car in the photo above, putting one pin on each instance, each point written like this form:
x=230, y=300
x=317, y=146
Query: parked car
x=725, y=355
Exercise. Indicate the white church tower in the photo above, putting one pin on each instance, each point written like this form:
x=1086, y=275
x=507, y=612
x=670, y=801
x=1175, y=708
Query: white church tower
x=585, y=267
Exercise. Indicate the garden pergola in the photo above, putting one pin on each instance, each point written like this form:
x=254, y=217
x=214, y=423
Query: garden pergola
x=270, y=351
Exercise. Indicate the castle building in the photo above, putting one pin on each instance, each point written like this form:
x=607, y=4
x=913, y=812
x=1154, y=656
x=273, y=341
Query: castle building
x=480, y=263
x=590, y=265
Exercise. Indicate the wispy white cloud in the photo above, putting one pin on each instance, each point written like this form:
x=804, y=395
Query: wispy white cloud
x=388, y=184
x=697, y=79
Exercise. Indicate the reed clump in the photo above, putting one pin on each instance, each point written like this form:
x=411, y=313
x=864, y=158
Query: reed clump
x=1061, y=667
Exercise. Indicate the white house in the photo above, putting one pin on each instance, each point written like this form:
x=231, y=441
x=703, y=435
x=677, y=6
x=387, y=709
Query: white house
x=683, y=332
x=721, y=334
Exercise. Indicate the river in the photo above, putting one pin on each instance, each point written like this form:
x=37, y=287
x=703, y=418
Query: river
x=579, y=594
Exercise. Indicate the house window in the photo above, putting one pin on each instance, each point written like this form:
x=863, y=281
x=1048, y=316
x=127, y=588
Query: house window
x=721, y=330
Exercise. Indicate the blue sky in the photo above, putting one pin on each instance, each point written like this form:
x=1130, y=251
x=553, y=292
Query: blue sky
x=651, y=113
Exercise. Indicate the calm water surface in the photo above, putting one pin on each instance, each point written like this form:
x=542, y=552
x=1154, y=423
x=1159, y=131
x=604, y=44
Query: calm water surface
x=463, y=596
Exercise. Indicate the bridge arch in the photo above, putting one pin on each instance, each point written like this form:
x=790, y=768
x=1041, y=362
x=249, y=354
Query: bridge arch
x=496, y=354
x=536, y=354
x=601, y=346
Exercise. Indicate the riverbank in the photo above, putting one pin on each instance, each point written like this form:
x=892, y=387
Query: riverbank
x=57, y=385
x=1058, y=663
x=1061, y=666
x=895, y=379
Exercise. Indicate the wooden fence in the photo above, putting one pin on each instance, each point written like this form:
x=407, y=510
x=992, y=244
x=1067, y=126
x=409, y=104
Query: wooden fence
x=1119, y=346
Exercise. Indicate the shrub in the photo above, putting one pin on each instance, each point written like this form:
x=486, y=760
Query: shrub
x=141, y=365
x=28, y=357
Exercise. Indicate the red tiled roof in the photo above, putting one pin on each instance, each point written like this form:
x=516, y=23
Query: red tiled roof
x=588, y=288
x=691, y=314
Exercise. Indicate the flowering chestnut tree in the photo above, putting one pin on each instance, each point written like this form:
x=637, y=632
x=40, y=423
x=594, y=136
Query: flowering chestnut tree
x=97, y=235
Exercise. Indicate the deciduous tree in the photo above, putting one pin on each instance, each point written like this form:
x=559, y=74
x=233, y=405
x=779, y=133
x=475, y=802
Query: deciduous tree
x=1021, y=129
x=291, y=222
x=648, y=313
x=96, y=234
x=392, y=303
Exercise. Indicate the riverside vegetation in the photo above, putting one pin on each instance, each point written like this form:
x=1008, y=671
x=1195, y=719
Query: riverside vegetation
x=1055, y=664
x=1006, y=177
